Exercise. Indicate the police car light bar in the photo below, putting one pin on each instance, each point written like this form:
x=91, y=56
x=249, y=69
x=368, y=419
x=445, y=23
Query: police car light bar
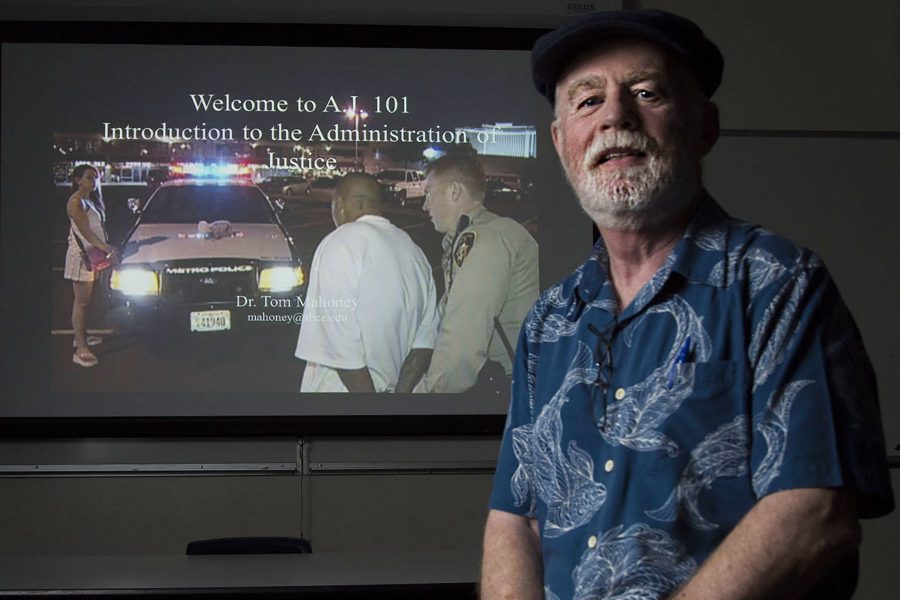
x=211, y=171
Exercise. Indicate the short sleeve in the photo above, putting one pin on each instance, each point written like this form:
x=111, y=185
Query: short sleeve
x=513, y=490
x=330, y=334
x=816, y=419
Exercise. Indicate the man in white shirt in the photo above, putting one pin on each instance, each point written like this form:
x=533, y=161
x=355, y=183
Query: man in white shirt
x=369, y=320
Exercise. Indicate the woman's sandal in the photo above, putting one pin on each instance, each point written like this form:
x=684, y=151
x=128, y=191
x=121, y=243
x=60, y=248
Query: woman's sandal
x=85, y=360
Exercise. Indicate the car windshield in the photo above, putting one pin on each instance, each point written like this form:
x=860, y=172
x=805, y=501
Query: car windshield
x=192, y=204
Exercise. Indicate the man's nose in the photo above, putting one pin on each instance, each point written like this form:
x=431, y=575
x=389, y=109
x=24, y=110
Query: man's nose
x=619, y=110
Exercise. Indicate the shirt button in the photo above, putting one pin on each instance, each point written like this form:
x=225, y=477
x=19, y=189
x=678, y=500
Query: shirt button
x=620, y=393
x=609, y=465
x=592, y=541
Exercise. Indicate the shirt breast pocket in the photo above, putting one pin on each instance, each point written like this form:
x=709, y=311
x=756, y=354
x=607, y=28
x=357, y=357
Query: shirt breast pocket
x=713, y=378
x=710, y=396
x=715, y=397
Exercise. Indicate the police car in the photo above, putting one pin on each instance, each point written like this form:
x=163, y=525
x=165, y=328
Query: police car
x=198, y=250
x=402, y=184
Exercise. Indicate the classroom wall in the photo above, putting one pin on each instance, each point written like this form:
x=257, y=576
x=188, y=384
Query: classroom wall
x=134, y=496
x=811, y=148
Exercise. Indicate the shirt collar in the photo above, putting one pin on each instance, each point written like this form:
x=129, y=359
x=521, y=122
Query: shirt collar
x=477, y=215
x=372, y=218
x=699, y=255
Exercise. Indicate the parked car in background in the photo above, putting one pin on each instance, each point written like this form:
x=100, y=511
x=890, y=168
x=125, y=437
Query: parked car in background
x=298, y=188
x=508, y=187
x=503, y=188
x=402, y=185
x=321, y=188
x=274, y=185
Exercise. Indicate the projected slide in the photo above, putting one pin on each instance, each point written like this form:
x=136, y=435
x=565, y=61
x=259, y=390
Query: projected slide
x=216, y=170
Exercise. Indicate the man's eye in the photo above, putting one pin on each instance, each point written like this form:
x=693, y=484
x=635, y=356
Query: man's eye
x=646, y=95
x=590, y=101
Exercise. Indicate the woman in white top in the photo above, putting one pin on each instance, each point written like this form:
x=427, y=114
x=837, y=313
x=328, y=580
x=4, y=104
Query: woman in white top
x=86, y=215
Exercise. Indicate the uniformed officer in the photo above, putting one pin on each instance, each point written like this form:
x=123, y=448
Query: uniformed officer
x=490, y=268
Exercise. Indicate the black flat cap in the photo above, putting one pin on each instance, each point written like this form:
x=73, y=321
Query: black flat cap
x=554, y=51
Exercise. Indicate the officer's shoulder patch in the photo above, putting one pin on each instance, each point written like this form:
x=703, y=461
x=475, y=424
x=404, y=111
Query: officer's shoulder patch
x=463, y=246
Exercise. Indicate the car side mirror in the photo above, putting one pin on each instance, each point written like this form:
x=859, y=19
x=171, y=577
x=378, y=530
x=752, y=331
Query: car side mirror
x=134, y=205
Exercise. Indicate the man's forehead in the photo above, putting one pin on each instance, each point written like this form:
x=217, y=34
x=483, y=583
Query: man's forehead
x=628, y=60
x=600, y=80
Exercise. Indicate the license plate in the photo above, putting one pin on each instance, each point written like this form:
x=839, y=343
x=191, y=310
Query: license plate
x=211, y=320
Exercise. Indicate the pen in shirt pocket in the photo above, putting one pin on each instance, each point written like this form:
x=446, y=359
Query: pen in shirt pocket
x=679, y=360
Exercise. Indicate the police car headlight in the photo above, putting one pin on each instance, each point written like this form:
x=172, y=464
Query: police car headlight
x=280, y=279
x=135, y=282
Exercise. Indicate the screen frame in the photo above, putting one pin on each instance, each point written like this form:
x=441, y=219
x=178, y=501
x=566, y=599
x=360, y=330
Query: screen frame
x=413, y=422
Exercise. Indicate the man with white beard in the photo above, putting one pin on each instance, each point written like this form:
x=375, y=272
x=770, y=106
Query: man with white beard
x=693, y=413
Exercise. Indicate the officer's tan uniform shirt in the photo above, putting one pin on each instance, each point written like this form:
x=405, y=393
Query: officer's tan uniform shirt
x=490, y=269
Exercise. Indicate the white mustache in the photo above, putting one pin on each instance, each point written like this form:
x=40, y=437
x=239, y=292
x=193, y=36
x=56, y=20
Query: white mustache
x=621, y=140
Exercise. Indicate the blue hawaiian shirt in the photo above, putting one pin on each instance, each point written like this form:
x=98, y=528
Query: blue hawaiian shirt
x=639, y=439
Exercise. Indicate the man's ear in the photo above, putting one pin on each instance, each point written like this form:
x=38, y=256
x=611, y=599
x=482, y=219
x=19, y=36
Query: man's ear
x=556, y=135
x=455, y=191
x=709, y=127
x=338, y=209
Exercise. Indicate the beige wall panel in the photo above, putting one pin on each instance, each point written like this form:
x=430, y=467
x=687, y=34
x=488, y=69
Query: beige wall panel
x=360, y=513
x=141, y=515
x=837, y=197
x=804, y=64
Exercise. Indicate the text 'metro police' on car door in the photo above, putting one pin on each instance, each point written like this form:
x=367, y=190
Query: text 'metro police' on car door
x=198, y=246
